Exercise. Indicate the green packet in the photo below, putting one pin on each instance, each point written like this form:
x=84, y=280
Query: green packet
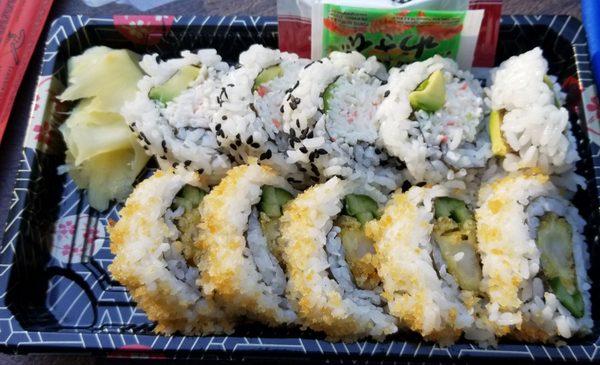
x=395, y=35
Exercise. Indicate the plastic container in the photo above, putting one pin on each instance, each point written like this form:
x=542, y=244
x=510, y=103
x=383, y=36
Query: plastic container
x=56, y=293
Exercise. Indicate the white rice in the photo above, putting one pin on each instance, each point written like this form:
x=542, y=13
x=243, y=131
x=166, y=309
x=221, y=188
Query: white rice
x=434, y=145
x=537, y=131
x=326, y=302
x=178, y=133
x=519, y=301
x=422, y=300
x=149, y=260
x=247, y=123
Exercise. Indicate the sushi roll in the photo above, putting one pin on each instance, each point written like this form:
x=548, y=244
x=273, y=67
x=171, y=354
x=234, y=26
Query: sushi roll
x=153, y=244
x=329, y=116
x=535, y=259
x=248, y=120
x=431, y=118
x=237, y=245
x=528, y=126
x=429, y=264
x=172, y=111
x=333, y=283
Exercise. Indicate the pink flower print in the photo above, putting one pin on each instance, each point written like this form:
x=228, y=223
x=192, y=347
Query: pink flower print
x=594, y=106
x=135, y=29
x=66, y=229
x=43, y=133
x=70, y=250
x=91, y=235
x=36, y=102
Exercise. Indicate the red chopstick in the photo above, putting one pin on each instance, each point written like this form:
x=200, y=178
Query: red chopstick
x=21, y=23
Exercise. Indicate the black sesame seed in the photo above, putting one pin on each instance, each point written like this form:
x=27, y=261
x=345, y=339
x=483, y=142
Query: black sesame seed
x=224, y=117
x=175, y=164
x=311, y=156
x=164, y=145
x=377, y=151
x=145, y=147
x=201, y=171
x=163, y=157
x=238, y=143
x=301, y=169
x=314, y=179
x=233, y=146
x=249, y=140
x=321, y=110
x=321, y=151
x=133, y=124
x=421, y=184
x=384, y=82
x=267, y=155
x=255, y=145
x=298, y=123
x=131, y=128
x=314, y=169
x=281, y=109
x=310, y=134
x=292, y=132
x=238, y=136
x=292, y=143
x=303, y=149
x=218, y=126
x=386, y=94
x=187, y=163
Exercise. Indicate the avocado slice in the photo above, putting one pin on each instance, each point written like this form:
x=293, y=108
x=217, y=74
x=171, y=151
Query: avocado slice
x=452, y=208
x=550, y=84
x=361, y=207
x=430, y=95
x=554, y=239
x=174, y=86
x=189, y=197
x=328, y=94
x=499, y=146
x=266, y=75
x=454, y=239
x=273, y=199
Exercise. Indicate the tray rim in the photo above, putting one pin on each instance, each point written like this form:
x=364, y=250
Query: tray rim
x=201, y=346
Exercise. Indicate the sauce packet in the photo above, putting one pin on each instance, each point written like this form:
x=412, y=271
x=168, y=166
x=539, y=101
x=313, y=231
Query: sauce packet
x=396, y=31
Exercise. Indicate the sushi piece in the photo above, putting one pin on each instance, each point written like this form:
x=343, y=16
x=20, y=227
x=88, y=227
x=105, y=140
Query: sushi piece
x=431, y=118
x=528, y=126
x=237, y=245
x=428, y=262
x=173, y=108
x=535, y=259
x=329, y=116
x=333, y=284
x=153, y=247
x=248, y=120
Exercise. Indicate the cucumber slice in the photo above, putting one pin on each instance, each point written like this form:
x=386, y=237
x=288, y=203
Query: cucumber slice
x=452, y=208
x=572, y=301
x=361, y=207
x=328, y=94
x=499, y=146
x=554, y=239
x=430, y=95
x=550, y=84
x=266, y=75
x=189, y=197
x=174, y=86
x=273, y=199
